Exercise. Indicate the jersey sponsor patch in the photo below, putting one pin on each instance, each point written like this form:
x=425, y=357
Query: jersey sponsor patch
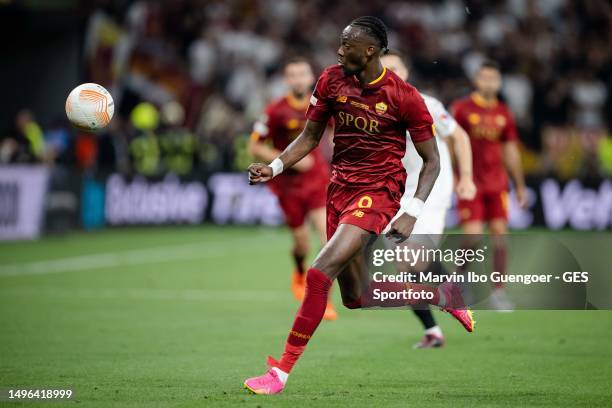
x=360, y=105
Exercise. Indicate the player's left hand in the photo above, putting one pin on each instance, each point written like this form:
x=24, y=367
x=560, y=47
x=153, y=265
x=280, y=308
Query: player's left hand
x=466, y=189
x=401, y=228
x=521, y=196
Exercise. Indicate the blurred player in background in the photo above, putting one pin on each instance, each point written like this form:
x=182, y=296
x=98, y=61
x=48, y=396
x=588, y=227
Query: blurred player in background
x=301, y=190
x=432, y=218
x=372, y=110
x=493, y=136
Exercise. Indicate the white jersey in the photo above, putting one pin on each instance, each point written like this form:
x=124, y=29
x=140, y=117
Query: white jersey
x=441, y=194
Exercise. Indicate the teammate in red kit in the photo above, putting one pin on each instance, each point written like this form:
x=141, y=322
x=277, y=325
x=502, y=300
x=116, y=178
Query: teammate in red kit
x=493, y=137
x=301, y=190
x=372, y=109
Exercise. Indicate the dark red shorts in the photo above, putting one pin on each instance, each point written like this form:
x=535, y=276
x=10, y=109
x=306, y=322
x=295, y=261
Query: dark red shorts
x=297, y=205
x=370, y=209
x=484, y=207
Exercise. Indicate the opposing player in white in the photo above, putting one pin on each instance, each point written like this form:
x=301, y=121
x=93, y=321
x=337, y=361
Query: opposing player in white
x=431, y=214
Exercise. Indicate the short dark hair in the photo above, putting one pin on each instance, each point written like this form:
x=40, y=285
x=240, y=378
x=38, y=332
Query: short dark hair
x=375, y=28
x=489, y=64
x=296, y=59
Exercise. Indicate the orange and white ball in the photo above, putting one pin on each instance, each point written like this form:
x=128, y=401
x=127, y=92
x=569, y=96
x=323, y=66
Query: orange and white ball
x=90, y=107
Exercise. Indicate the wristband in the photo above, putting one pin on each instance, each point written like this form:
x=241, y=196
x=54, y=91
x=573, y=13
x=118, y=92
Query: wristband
x=277, y=167
x=414, y=207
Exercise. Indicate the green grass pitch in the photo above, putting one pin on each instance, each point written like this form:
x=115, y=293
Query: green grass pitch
x=179, y=317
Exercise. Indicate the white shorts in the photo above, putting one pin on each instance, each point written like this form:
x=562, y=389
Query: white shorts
x=430, y=222
x=432, y=219
x=427, y=230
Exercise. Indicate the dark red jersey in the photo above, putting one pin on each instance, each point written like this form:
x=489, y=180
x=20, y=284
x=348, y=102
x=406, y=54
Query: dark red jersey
x=489, y=125
x=370, y=125
x=283, y=121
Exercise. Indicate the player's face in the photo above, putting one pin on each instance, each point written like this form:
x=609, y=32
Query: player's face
x=488, y=82
x=299, y=78
x=395, y=64
x=355, y=50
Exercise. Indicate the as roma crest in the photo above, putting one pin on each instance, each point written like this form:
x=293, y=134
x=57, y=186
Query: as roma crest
x=381, y=108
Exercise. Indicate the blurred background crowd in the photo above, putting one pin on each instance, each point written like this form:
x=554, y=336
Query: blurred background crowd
x=190, y=77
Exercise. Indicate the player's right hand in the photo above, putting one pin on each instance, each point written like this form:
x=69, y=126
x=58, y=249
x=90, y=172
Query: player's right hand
x=521, y=196
x=466, y=189
x=259, y=173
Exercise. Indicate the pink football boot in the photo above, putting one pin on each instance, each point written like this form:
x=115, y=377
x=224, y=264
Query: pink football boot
x=456, y=306
x=269, y=383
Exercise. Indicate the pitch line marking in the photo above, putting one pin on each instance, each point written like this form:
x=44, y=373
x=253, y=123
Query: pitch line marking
x=143, y=256
x=195, y=295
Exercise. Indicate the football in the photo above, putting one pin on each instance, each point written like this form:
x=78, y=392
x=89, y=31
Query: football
x=90, y=107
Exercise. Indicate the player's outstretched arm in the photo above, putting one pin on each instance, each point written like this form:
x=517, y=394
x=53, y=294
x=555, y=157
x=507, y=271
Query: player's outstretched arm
x=512, y=162
x=306, y=142
x=428, y=150
x=466, y=189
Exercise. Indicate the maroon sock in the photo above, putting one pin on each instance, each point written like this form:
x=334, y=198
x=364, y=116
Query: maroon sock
x=500, y=255
x=299, y=262
x=435, y=295
x=308, y=318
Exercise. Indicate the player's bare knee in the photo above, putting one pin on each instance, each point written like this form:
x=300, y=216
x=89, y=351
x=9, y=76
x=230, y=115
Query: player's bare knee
x=498, y=228
x=472, y=227
x=328, y=266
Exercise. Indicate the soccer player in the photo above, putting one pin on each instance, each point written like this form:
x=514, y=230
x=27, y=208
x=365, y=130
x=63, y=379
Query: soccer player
x=493, y=136
x=432, y=218
x=372, y=109
x=301, y=190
